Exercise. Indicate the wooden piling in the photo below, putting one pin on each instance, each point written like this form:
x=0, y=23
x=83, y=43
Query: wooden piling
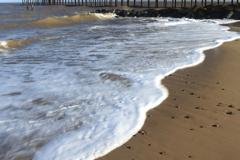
x=134, y=3
x=195, y=3
x=156, y=3
x=205, y=3
x=185, y=3
x=182, y=3
x=211, y=2
x=231, y=2
x=191, y=3
x=127, y=2
x=116, y=3
x=224, y=2
x=141, y=3
x=121, y=2
x=172, y=3
x=148, y=3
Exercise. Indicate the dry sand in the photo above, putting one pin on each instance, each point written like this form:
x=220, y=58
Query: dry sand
x=200, y=127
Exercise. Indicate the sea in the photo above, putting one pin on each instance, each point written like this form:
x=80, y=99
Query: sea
x=76, y=85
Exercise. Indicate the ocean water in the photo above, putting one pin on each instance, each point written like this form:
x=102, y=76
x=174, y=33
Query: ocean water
x=75, y=85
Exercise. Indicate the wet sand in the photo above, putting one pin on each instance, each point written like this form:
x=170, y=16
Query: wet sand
x=200, y=119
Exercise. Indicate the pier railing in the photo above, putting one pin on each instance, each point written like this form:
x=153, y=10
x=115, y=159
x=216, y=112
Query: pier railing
x=114, y=3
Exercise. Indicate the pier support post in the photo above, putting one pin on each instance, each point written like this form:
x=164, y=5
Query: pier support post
x=141, y=3
x=156, y=3
x=224, y=2
x=148, y=3
x=134, y=3
x=185, y=3
x=172, y=3
x=127, y=2
x=231, y=2
x=195, y=3
x=121, y=2
x=211, y=2
x=116, y=3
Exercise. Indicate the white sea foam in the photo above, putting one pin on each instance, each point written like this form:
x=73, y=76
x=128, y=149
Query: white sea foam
x=88, y=93
x=3, y=44
x=105, y=16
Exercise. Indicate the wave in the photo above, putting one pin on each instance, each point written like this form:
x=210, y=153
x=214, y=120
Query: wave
x=16, y=43
x=50, y=22
x=65, y=20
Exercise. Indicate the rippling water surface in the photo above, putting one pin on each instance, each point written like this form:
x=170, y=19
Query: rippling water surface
x=75, y=85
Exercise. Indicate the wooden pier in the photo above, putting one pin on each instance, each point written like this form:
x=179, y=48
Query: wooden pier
x=111, y=3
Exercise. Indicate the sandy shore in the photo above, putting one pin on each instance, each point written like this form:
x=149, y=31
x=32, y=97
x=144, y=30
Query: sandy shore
x=201, y=117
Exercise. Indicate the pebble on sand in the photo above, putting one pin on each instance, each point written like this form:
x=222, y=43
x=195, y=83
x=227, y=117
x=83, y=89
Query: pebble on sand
x=143, y=132
x=186, y=117
x=193, y=94
x=178, y=106
x=197, y=107
x=220, y=104
x=188, y=82
x=150, y=144
x=162, y=153
x=130, y=147
x=230, y=113
x=215, y=125
x=230, y=106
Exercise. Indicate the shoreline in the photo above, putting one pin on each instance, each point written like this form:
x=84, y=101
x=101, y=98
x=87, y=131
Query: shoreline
x=195, y=119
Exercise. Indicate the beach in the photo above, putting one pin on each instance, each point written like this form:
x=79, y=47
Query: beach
x=77, y=85
x=200, y=117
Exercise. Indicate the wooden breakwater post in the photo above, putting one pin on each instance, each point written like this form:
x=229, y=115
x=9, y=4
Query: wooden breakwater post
x=106, y=3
